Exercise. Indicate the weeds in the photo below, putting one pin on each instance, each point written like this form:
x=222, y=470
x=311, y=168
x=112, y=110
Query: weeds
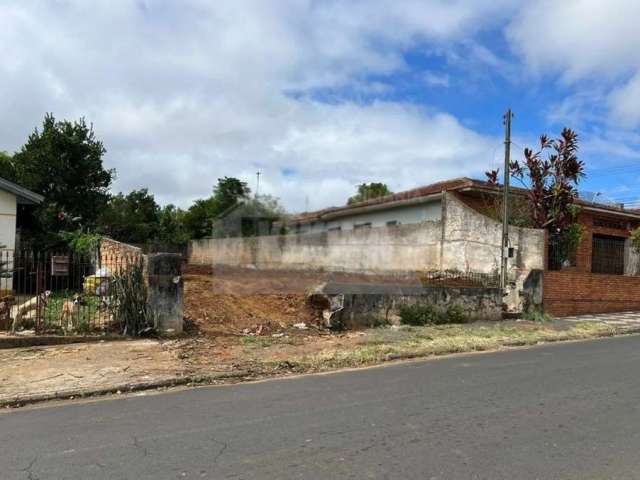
x=420, y=315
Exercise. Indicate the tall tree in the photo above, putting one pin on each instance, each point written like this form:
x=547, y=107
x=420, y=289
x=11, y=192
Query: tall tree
x=132, y=218
x=7, y=168
x=228, y=192
x=367, y=191
x=550, y=183
x=63, y=162
x=200, y=216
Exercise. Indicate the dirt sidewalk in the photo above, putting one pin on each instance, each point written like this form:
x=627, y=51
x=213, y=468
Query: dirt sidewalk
x=33, y=373
x=49, y=372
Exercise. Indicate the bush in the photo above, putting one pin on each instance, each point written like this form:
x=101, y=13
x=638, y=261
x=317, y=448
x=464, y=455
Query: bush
x=536, y=315
x=456, y=314
x=130, y=293
x=418, y=315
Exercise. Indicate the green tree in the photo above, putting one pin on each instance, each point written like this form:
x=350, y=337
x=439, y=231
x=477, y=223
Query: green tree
x=63, y=162
x=367, y=191
x=172, y=229
x=131, y=218
x=7, y=168
x=198, y=219
x=227, y=193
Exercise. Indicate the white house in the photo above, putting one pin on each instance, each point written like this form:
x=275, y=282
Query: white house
x=13, y=196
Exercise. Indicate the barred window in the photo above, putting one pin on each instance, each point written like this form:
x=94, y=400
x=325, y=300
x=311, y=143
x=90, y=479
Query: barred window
x=607, y=255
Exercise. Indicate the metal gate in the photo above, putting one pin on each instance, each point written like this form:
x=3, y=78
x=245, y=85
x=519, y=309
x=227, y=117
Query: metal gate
x=60, y=292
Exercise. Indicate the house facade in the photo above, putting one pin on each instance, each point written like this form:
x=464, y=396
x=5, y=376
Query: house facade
x=13, y=198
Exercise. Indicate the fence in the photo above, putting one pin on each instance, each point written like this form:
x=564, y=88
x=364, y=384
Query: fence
x=455, y=278
x=63, y=293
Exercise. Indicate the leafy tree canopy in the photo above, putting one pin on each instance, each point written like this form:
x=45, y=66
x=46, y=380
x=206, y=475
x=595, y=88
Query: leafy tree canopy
x=550, y=183
x=367, y=191
x=131, y=218
x=63, y=162
x=7, y=169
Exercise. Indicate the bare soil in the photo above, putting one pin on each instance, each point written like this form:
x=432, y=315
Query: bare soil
x=233, y=301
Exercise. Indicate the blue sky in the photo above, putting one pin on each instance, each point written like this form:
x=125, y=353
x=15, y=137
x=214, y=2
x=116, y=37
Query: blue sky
x=320, y=95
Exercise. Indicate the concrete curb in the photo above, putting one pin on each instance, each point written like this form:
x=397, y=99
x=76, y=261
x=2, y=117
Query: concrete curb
x=123, y=388
x=49, y=340
x=244, y=374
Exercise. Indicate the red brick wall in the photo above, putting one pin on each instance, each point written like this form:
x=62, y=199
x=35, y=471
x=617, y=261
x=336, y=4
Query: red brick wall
x=575, y=293
x=575, y=290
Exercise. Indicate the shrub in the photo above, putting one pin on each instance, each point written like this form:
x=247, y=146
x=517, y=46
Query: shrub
x=536, y=315
x=456, y=314
x=429, y=315
x=419, y=315
x=130, y=292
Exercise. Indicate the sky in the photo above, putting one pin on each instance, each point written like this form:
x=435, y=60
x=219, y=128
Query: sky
x=322, y=95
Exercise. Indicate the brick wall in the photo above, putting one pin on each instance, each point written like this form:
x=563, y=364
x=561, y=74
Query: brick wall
x=116, y=255
x=575, y=293
x=575, y=290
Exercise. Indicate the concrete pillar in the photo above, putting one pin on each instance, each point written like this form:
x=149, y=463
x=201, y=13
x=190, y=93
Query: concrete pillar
x=164, y=274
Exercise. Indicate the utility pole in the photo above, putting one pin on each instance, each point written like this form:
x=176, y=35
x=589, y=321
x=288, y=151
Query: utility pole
x=257, y=183
x=505, y=200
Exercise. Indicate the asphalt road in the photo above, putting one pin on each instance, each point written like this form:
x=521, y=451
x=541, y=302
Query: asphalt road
x=568, y=411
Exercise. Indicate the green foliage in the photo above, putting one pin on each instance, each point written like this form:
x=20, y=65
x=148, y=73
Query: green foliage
x=535, y=314
x=198, y=220
x=86, y=315
x=7, y=168
x=63, y=162
x=456, y=314
x=419, y=315
x=228, y=192
x=570, y=238
x=367, y=191
x=231, y=212
x=131, y=218
x=84, y=244
x=172, y=229
x=131, y=310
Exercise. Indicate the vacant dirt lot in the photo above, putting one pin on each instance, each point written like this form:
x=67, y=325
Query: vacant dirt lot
x=225, y=301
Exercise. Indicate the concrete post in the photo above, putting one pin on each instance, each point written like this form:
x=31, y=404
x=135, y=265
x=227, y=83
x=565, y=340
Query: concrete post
x=164, y=274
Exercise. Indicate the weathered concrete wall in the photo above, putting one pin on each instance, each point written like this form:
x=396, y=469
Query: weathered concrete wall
x=165, y=286
x=463, y=240
x=472, y=242
x=368, y=305
x=385, y=249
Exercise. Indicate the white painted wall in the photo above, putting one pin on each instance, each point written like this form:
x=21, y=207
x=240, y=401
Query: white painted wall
x=403, y=215
x=8, y=211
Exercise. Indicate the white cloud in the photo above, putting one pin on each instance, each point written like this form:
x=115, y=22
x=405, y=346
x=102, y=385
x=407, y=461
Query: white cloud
x=185, y=92
x=585, y=44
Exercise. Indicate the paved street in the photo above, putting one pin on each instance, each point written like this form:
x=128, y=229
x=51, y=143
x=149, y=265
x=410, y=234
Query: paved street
x=566, y=411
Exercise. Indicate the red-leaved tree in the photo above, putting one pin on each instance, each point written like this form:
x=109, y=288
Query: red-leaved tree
x=550, y=183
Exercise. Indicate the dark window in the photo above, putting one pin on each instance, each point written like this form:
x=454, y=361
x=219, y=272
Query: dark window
x=392, y=223
x=362, y=225
x=607, y=255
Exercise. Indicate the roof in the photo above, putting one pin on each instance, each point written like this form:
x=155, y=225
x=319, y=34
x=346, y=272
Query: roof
x=419, y=194
x=22, y=194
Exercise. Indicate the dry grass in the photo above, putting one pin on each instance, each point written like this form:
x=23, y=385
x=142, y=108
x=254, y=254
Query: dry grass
x=384, y=344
